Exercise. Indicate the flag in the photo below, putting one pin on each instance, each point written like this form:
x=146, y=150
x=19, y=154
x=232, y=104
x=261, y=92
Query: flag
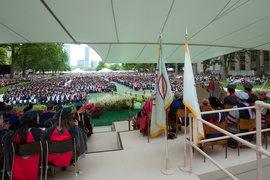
x=191, y=97
x=162, y=97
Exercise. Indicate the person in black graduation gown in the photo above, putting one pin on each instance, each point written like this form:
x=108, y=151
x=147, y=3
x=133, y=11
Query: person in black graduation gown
x=24, y=167
x=63, y=129
x=177, y=104
x=231, y=99
x=252, y=97
x=215, y=117
x=46, y=115
x=83, y=120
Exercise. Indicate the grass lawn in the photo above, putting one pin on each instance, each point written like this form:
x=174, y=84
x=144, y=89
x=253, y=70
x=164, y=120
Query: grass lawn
x=241, y=87
x=112, y=116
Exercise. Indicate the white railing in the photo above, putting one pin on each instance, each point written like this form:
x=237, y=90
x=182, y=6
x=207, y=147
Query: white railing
x=258, y=147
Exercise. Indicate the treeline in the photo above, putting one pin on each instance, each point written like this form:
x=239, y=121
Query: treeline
x=40, y=57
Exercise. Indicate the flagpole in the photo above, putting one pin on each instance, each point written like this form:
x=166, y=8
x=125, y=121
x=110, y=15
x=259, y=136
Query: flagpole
x=167, y=170
x=184, y=168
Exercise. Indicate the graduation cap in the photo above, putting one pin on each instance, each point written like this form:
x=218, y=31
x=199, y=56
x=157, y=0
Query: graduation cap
x=248, y=86
x=64, y=112
x=56, y=108
x=49, y=122
x=27, y=108
x=28, y=116
x=230, y=86
x=215, y=102
x=49, y=107
x=9, y=107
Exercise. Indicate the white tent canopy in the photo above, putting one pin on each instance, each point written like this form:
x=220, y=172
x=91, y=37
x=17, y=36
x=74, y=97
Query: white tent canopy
x=105, y=70
x=78, y=70
x=127, y=31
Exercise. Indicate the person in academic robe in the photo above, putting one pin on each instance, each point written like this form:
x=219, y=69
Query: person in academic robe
x=84, y=97
x=231, y=99
x=43, y=99
x=83, y=121
x=25, y=167
x=177, y=104
x=265, y=112
x=62, y=98
x=234, y=115
x=63, y=129
x=52, y=99
x=26, y=99
x=57, y=98
x=214, y=88
x=71, y=97
x=67, y=98
x=46, y=115
x=252, y=97
x=48, y=98
x=78, y=97
x=146, y=108
x=215, y=104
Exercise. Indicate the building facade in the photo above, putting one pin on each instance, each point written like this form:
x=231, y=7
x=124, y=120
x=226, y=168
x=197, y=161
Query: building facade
x=93, y=63
x=245, y=62
x=67, y=48
x=86, y=57
x=80, y=63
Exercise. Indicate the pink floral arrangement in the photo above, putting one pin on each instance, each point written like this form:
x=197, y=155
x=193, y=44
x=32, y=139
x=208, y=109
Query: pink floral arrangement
x=44, y=111
x=19, y=113
x=263, y=97
x=88, y=106
x=94, y=109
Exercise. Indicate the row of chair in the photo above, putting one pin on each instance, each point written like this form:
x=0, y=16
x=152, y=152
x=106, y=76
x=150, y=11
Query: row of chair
x=34, y=148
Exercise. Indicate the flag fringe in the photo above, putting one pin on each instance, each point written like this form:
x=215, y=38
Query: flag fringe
x=202, y=136
x=162, y=129
x=190, y=108
x=168, y=105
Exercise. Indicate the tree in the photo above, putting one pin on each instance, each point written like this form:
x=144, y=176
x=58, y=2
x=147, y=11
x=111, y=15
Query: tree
x=49, y=57
x=207, y=63
x=101, y=65
x=227, y=60
x=143, y=67
x=15, y=52
x=89, y=69
x=114, y=67
x=3, y=56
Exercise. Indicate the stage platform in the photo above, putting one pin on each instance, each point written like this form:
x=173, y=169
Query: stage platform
x=118, y=154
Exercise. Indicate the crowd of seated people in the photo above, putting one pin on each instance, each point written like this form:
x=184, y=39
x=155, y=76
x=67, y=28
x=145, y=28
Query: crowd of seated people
x=146, y=81
x=6, y=81
x=30, y=127
x=65, y=89
x=244, y=80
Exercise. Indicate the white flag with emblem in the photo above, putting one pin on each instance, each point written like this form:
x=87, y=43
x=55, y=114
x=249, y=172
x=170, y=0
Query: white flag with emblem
x=191, y=97
x=162, y=97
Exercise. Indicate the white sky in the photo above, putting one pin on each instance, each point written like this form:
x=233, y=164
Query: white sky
x=77, y=52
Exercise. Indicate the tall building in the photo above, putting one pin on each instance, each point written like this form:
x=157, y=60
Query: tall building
x=86, y=58
x=80, y=63
x=67, y=48
x=93, y=63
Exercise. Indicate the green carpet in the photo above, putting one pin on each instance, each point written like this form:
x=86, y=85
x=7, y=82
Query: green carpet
x=112, y=116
